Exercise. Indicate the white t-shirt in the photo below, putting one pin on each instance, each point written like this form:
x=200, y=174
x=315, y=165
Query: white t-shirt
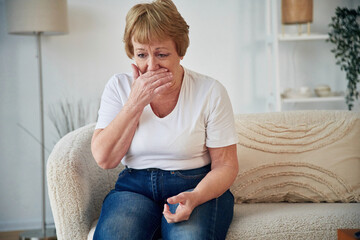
x=202, y=118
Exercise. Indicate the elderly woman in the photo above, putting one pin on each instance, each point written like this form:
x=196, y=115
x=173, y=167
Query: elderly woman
x=174, y=131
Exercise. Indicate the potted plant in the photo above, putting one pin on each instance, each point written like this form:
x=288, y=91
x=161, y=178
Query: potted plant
x=345, y=34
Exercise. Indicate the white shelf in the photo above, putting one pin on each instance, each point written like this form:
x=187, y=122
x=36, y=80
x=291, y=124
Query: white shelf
x=314, y=99
x=302, y=37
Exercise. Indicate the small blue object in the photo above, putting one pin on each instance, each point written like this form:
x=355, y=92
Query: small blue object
x=357, y=235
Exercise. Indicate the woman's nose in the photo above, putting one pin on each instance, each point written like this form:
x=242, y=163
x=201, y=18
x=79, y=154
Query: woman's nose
x=153, y=63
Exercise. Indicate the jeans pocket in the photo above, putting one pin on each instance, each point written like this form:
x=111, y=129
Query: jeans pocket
x=123, y=173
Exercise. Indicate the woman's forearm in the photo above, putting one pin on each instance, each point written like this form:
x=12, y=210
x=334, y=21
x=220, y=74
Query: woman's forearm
x=110, y=144
x=215, y=183
x=224, y=169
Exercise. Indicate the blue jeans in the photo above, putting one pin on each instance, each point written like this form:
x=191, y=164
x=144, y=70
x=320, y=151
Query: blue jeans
x=133, y=210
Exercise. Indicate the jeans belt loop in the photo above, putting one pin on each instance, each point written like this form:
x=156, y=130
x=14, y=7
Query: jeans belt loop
x=129, y=169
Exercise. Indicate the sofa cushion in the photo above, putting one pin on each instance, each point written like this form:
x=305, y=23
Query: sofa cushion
x=292, y=220
x=305, y=156
x=288, y=220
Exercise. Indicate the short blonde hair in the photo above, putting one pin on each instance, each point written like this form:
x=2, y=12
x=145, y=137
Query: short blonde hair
x=156, y=21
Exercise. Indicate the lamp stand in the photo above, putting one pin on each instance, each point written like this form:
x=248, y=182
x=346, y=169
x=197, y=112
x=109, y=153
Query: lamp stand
x=42, y=234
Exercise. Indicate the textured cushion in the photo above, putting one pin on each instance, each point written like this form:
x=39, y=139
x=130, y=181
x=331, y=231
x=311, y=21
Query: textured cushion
x=307, y=156
x=292, y=220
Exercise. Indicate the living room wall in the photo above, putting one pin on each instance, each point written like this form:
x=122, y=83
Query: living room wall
x=227, y=43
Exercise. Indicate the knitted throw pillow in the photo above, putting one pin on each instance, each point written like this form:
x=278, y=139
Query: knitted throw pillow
x=299, y=156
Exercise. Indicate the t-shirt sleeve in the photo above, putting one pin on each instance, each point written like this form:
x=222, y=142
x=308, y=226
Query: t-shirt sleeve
x=220, y=129
x=111, y=104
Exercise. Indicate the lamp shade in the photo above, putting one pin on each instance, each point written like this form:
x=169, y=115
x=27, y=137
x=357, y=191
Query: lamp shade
x=28, y=16
x=296, y=11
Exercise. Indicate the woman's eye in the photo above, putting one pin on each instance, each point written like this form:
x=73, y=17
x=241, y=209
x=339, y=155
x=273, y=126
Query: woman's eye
x=141, y=55
x=161, y=55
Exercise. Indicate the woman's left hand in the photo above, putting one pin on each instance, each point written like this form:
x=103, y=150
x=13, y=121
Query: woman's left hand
x=224, y=169
x=187, y=202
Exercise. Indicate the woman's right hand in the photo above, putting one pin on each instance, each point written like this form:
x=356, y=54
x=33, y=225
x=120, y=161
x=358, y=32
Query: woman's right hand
x=146, y=86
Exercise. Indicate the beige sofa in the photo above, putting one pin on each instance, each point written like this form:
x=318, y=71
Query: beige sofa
x=299, y=177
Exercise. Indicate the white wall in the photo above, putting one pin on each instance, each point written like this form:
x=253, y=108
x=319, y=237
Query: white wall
x=227, y=43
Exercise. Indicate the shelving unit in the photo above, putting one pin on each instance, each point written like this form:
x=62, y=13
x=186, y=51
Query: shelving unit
x=313, y=99
x=302, y=37
x=275, y=100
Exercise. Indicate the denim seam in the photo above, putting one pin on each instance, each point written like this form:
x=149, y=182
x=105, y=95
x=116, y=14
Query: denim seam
x=156, y=229
x=154, y=185
x=212, y=229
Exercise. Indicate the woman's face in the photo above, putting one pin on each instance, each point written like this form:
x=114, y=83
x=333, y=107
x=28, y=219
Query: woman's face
x=155, y=55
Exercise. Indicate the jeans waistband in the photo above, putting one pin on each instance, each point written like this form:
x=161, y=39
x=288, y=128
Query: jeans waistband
x=145, y=169
x=207, y=167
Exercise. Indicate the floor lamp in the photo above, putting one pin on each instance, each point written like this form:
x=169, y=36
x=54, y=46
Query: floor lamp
x=37, y=18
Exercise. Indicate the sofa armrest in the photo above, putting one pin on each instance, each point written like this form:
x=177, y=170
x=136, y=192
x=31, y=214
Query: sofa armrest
x=76, y=185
